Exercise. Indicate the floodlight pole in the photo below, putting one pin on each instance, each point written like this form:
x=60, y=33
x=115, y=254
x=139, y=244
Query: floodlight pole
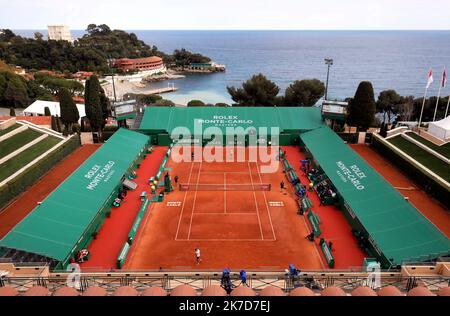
x=112, y=78
x=114, y=86
x=329, y=63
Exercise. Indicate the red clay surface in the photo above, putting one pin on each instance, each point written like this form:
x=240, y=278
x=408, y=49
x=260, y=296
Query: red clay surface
x=429, y=207
x=16, y=211
x=38, y=120
x=334, y=225
x=236, y=229
x=114, y=231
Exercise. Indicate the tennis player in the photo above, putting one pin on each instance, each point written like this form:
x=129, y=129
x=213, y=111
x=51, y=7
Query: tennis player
x=197, y=255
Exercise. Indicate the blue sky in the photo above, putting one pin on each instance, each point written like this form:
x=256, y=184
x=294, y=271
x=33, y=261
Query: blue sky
x=228, y=14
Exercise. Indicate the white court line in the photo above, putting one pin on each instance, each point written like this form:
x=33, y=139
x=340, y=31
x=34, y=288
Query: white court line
x=195, y=200
x=265, y=199
x=184, y=200
x=213, y=213
x=218, y=172
x=256, y=202
x=252, y=240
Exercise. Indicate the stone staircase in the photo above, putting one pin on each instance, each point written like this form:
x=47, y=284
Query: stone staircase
x=137, y=121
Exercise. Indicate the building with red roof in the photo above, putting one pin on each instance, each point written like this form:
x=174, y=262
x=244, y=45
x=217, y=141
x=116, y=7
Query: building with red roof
x=143, y=64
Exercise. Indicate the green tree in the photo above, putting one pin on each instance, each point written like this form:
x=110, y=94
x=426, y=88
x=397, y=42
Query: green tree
x=6, y=35
x=196, y=103
x=362, y=107
x=164, y=102
x=37, y=92
x=47, y=111
x=406, y=108
x=16, y=93
x=142, y=99
x=54, y=84
x=58, y=124
x=105, y=106
x=12, y=112
x=54, y=127
x=183, y=57
x=388, y=103
x=304, y=92
x=257, y=91
x=38, y=36
x=69, y=111
x=93, y=105
x=222, y=104
x=3, y=85
x=91, y=52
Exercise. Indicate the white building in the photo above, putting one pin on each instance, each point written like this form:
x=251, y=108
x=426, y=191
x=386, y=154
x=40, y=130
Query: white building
x=59, y=33
x=37, y=108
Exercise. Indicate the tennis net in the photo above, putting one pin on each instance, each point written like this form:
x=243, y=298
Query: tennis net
x=225, y=187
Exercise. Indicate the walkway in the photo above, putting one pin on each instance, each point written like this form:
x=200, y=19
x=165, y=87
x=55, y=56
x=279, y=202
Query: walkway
x=334, y=225
x=114, y=231
x=430, y=208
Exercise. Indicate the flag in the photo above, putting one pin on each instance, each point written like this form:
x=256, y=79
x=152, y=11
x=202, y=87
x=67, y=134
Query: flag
x=430, y=78
x=444, y=79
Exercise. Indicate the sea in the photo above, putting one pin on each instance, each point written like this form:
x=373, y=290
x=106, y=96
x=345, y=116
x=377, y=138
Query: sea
x=398, y=60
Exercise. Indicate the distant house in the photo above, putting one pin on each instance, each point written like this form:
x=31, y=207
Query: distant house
x=82, y=75
x=208, y=67
x=19, y=71
x=37, y=108
x=152, y=64
x=59, y=33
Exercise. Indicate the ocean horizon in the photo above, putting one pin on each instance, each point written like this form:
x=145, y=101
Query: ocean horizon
x=390, y=59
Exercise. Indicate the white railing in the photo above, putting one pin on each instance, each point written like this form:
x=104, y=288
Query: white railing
x=42, y=129
x=8, y=123
x=396, y=131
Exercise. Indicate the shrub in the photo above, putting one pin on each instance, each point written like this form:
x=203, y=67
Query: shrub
x=195, y=103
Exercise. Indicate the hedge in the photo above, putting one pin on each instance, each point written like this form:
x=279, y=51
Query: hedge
x=22, y=182
x=423, y=180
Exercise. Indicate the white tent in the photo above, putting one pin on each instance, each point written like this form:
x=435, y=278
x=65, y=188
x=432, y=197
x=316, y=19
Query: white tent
x=38, y=108
x=440, y=129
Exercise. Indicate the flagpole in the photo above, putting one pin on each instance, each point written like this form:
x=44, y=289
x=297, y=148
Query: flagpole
x=448, y=103
x=437, y=103
x=423, y=104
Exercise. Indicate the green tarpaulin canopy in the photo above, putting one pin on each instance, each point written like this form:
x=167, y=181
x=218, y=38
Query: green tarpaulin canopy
x=159, y=119
x=54, y=228
x=398, y=230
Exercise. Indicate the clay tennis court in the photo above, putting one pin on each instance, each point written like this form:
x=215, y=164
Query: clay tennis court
x=233, y=212
x=24, y=204
x=430, y=208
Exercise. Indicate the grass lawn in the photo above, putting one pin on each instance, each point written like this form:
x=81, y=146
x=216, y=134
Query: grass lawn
x=444, y=150
x=15, y=142
x=428, y=160
x=9, y=129
x=12, y=165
